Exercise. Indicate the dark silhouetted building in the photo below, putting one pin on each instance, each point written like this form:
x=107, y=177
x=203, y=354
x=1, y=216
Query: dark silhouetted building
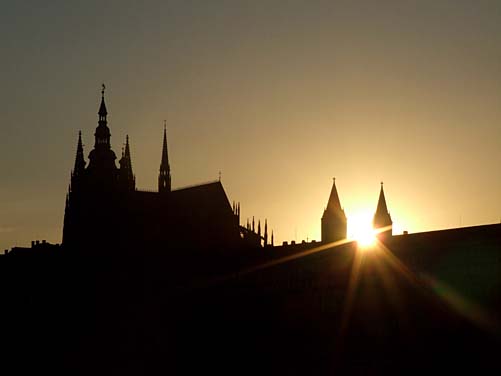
x=105, y=210
x=334, y=221
x=382, y=219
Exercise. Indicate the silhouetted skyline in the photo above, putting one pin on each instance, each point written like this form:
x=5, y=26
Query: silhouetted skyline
x=278, y=98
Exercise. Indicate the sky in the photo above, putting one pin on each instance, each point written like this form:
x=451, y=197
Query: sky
x=280, y=96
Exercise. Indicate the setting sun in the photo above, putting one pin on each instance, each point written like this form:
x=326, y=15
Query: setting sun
x=360, y=229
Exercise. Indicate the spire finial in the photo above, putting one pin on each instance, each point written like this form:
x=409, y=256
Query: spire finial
x=103, y=88
x=219, y=175
x=165, y=125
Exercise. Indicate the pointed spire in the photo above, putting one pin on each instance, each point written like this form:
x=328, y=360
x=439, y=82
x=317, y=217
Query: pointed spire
x=259, y=227
x=164, y=179
x=334, y=222
x=79, y=160
x=272, y=239
x=126, y=175
x=334, y=203
x=127, y=148
x=381, y=204
x=265, y=232
x=102, y=108
x=102, y=134
x=253, y=227
x=382, y=218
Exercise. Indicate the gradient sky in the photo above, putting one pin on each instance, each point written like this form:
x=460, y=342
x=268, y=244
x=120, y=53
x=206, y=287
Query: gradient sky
x=279, y=95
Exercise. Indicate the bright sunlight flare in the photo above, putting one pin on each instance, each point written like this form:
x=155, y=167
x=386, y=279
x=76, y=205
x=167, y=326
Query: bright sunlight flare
x=360, y=228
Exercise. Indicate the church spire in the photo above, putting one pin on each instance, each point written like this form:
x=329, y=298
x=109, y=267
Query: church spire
x=265, y=232
x=381, y=204
x=79, y=160
x=164, y=179
x=382, y=218
x=127, y=180
x=102, y=134
x=334, y=203
x=102, y=108
x=334, y=222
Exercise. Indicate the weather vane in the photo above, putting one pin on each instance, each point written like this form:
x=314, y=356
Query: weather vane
x=103, y=88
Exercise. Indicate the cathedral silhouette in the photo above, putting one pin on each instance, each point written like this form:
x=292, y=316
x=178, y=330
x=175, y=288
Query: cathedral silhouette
x=105, y=210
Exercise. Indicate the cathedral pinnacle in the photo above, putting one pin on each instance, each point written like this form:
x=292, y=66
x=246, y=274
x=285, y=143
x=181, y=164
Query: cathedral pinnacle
x=164, y=179
x=102, y=108
x=79, y=160
x=382, y=218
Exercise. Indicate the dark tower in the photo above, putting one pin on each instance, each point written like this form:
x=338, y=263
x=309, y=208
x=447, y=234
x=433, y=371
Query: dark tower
x=164, y=183
x=334, y=221
x=382, y=219
x=126, y=177
x=102, y=169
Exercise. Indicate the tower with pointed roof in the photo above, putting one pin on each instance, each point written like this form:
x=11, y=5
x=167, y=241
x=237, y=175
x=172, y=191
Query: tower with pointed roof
x=382, y=219
x=102, y=158
x=334, y=222
x=164, y=180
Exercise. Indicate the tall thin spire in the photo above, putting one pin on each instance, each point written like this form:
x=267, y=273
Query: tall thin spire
x=266, y=232
x=164, y=178
x=102, y=108
x=102, y=134
x=79, y=160
x=128, y=182
x=381, y=204
x=382, y=218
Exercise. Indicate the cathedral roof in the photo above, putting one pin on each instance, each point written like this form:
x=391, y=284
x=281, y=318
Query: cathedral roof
x=199, y=201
